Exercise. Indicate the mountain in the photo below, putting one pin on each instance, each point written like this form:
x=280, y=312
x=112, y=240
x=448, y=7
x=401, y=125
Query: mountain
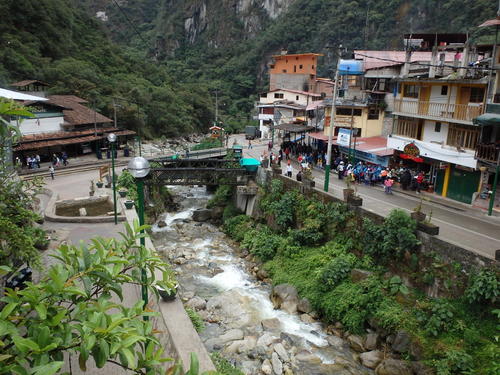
x=167, y=57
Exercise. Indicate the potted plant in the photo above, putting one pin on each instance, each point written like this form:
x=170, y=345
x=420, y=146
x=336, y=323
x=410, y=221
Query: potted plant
x=348, y=191
x=100, y=184
x=122, y=192
x=129, y=204
x=417, y=213
x=427, y=227
x=92, y=188
x=354, y=199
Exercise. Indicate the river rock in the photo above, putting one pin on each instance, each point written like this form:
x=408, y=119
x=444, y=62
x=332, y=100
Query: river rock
x=202, y=214
x=287, y=370
x=267, y=368
x=307, y=356
x=336, y=342
x=285, y=296
x=262, y=274
x=280, y=350
x=217, y=212
x=271, y=324
x=304, y=306
x=356, y=343
x=266, y=339
x=277, y=365
x=306, y=318
x=231, y=335
x=401, y=342
x=391, y=366
x=371, y=359
x=162, y=224
x=197, y=303
x=358, y=275
x=371, y=341
x=247, y=344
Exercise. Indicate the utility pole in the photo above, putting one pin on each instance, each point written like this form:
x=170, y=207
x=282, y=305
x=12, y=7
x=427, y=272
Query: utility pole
x=216, y=107
x=114, y=112
x=330, y=129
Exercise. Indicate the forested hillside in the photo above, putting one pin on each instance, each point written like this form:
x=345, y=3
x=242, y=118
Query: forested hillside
x=167, y=57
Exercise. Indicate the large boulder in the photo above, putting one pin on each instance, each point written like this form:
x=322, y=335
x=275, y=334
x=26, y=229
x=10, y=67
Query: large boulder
x=266, y=339
x=281, y=351
x=371, y=359
x=401, y=342
x=304, y=306
x=356, y=343
x=272, y=324
x=421, y=369
x=217, y=212
x=285, y=297
x=197, y=303
x=391, y=366
x=202, y=214
x=231, y=335
x=371, y=341
x=267, y=368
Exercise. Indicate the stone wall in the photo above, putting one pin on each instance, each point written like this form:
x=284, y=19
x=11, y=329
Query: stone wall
x=450, y=252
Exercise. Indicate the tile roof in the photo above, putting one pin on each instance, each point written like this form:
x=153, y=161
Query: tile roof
x=27, y=83
x=76, y=113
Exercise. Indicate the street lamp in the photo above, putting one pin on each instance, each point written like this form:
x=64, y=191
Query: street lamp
x=139, y=168
x=112, y=141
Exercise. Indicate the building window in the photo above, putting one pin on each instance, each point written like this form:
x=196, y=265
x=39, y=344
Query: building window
x=312, y=66
x=348, y=112
x=295, y=68
x=408, y=128
x=300, y=66
x=373, y=114
x=476, y=95
x=263, y=95
x=296, y=97
x=437, y=127
x=444, y=90
x=268, y=110
x=278, y=95
x=284, y=70
x=463, y=136
x=410, y=91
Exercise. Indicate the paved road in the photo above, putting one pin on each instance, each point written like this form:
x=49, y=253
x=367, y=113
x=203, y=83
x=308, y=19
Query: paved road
x=459, y=224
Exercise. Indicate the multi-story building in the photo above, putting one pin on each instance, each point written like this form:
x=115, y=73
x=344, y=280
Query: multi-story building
x=433, y=129
x=294, y=72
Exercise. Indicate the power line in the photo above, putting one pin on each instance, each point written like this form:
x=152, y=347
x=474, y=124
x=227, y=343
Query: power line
x=130, y=22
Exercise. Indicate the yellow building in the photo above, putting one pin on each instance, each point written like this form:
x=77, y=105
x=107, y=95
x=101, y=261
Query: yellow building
x=367, y=121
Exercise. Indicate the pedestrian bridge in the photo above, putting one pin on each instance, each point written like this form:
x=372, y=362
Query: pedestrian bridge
x=168, y=171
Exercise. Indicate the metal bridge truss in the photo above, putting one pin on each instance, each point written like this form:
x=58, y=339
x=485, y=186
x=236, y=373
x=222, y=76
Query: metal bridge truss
x=198, y=172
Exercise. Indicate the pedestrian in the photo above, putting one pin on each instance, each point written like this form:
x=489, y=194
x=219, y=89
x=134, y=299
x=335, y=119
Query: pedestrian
x=289, y=169
x=405, y=179
x=340, y=170
x=37, y=160
x=52, y=171
x=18, y=162
x=388, y=185
x=65, y=158
x=270, y=145
x=420, y=180
x=249, y=144
x=299, y=176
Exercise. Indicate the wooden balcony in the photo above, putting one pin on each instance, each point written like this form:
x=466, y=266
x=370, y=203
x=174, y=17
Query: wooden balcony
x=487, y=152
x=463, y=113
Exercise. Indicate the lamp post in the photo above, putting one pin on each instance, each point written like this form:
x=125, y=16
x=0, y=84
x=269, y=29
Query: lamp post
x=139, y=168
x=330, y=129
x=112, y=141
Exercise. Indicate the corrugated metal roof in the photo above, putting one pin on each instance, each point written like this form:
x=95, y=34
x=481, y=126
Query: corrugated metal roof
x=14, y=95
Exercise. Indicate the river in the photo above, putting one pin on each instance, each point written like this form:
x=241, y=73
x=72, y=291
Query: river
x=239, y=316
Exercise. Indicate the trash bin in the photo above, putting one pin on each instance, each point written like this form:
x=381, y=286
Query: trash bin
x=108, y=154
x=126, y=152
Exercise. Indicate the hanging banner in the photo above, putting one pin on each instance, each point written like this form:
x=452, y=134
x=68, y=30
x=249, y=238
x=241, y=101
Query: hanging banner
x=344, y=137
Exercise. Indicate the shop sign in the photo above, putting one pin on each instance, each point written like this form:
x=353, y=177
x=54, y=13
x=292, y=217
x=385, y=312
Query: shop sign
x=344, y=137
x=411, y=149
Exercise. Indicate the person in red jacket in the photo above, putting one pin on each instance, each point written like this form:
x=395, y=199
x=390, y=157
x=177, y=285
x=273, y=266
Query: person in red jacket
x=420, y=180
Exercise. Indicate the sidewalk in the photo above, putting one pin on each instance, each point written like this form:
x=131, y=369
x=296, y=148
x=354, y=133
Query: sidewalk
x=459, y=224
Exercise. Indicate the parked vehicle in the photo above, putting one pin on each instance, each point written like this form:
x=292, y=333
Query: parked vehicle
x=251, y=132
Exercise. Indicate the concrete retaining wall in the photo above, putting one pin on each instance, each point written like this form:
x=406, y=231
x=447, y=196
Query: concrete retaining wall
x=178, y=337
x=451, y=252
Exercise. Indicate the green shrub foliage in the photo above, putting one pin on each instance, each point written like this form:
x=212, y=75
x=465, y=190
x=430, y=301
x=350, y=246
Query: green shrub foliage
x=484, y=287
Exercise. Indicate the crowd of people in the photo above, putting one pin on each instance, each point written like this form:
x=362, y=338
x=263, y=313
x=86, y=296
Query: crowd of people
x=359, y=172
x=33, y=161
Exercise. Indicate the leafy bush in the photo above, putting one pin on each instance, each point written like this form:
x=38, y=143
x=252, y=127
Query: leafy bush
x=236, y=227
x=454, y=362
x=484, y=287
x=391, y=315
x=395, y=285
x=230, y=211
x=196, y=319
x=283, y=210
x=262, y=243
x=336, y=271
x=221, y=197
x=391, y=239
x=207, y=143
x=436, y=316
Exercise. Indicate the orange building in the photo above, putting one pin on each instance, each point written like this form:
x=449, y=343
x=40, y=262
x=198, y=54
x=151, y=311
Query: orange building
x=294, y=72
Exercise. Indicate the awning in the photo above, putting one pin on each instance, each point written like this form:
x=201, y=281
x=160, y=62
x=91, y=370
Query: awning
x=410, y=157
x=293, y=128
x=320, y=135
x=56, y=142
x=314, y=105
x=487, y=119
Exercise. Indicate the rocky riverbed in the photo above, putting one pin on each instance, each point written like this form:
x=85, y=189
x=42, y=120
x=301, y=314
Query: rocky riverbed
x=259, y=329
